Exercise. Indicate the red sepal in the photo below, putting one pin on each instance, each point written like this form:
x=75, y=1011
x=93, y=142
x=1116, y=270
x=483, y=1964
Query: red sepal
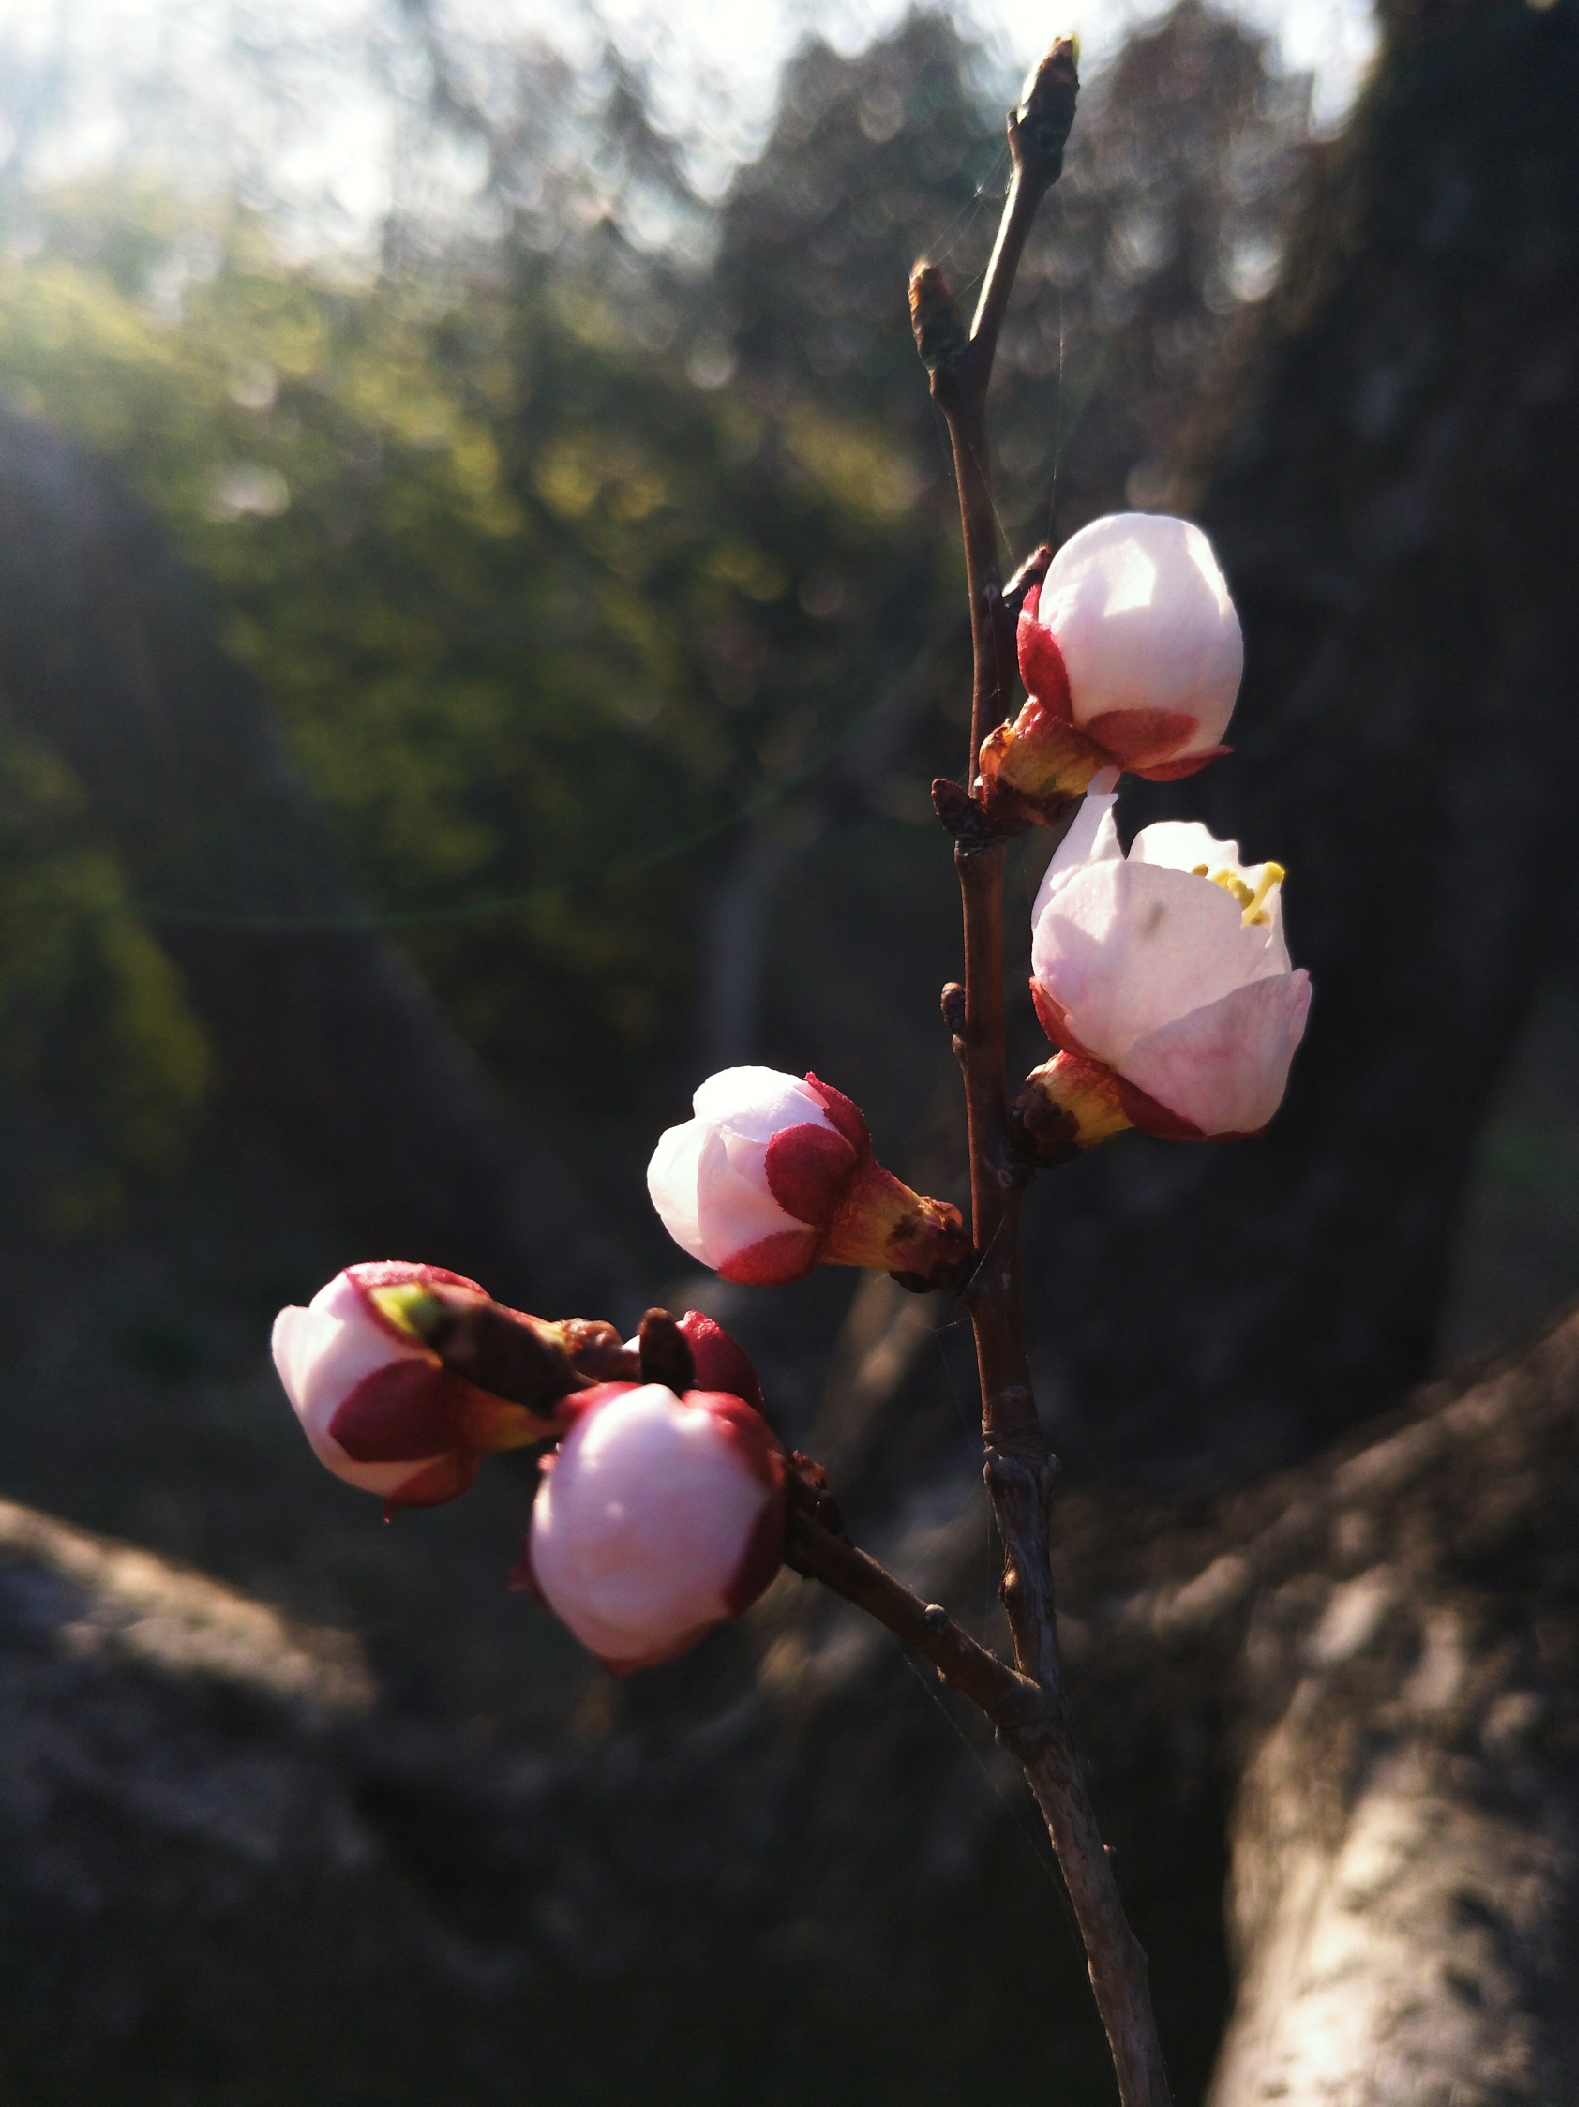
x=401, y=1412
x=1042, y=667
x=773, y=1261
x=1054, y=1020
x=1143, y=1111
x=845, y=1113
x=1176, y=771
x=809, y=1169
x=444, y=1480
x=747, y=1432
x=757, y=1446
x=760, y=1561
x=1142, y=739
x=721, y=1362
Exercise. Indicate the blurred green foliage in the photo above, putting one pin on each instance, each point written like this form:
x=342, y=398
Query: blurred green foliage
x=570, y=565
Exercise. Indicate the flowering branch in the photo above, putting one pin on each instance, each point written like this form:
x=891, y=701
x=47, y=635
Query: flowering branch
x=665, y=1504
x=1019, y=1470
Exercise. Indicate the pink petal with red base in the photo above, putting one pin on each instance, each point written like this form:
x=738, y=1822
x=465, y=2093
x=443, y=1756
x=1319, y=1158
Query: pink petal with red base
x=809, y=1170
x=1223, y=1068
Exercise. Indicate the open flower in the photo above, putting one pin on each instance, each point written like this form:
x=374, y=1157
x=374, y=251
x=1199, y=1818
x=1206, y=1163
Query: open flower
x=774, y=1176
x=377, y=1405
x=1131, y=655
x=658, y=1517
x=1164, y=977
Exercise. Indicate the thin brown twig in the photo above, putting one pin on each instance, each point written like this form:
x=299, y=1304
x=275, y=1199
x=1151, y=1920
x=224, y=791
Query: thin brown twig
x=1020, y=1471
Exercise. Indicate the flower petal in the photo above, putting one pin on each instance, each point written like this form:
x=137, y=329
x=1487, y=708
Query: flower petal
x=755, y=1102
x=1143, y=621
x=672, y=1179
x=640, y=1532
x=1223, y=1067
x=735, y=1206
x=1092, y=838
x=1125, y=948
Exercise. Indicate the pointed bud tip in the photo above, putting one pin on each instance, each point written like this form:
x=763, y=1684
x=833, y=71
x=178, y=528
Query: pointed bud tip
x=1040, y=126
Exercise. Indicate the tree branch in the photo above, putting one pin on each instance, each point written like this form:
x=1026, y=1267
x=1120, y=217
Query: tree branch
x=1020, y=1472
x=1032, y=1721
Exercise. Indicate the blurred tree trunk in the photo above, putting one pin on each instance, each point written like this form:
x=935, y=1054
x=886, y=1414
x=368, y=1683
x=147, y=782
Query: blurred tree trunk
x=1393, y=502
x=326, y=1039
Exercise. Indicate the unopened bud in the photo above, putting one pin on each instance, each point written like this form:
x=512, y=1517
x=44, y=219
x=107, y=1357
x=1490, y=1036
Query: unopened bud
x=379, y=1407
x=1131, y=654
x=1039, y=128
x=658, y=1517
x=775, y=1176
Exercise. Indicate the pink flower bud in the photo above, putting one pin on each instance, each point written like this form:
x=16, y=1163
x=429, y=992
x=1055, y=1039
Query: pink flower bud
x=1131, y=655
x=377, y=1405
x=658, y=1517
x=1168, y=970
x=774, y=1176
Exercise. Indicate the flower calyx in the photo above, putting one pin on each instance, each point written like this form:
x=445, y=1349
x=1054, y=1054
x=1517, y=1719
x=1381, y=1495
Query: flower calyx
x=808, y=1492
x=1068, y=1105
x=528, y=1360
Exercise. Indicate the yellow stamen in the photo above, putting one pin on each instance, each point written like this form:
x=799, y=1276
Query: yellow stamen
x=1250, y=902
x=1236, y=886
x=1271, y=874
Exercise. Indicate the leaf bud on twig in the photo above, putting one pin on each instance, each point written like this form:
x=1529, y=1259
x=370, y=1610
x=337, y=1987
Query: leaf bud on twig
x=935, y=319
x=1039, y=127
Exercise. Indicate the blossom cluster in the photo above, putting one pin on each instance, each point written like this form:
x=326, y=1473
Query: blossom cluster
x=1161, y=977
